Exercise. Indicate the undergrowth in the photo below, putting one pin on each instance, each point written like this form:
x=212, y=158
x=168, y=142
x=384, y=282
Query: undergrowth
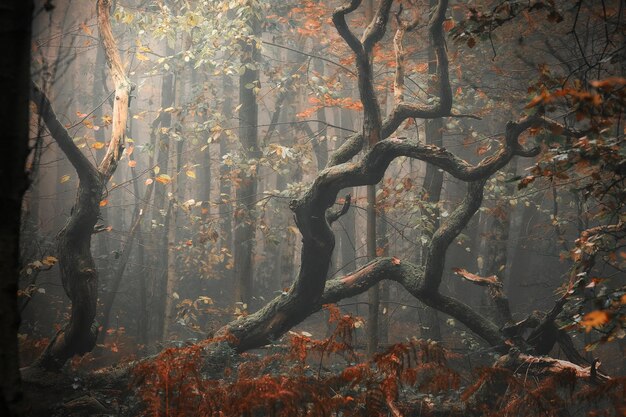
x=328, y=377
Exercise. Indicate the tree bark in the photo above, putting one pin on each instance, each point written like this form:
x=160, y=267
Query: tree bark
x=245, y=213
x=225, y=201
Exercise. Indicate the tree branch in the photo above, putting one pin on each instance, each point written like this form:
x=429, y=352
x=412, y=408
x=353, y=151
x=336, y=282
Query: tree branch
x=334, y=215
x=123, y=88
x=377, y=27
x=85, y=170
x=339, y=20
x=403, y=110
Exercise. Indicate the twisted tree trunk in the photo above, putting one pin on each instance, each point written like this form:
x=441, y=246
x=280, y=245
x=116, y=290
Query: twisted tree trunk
x=314, y=214
x=78, y=272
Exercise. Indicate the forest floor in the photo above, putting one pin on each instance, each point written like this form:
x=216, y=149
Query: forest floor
x=326, y=377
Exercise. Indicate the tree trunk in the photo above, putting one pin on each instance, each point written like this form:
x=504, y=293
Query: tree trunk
x=162, y=202
x=433, y=184
x=495, y=242
x=15, y=22
x=225, y=200
x=126, y=251
x=347, y=236
x=177, y=192
x=320, y=142
x=78, y=272
x=245, y=213
x=383, y=250
x=373, y=294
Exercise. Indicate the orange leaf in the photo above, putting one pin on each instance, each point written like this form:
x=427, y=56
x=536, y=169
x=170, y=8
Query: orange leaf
x=482, y=149
x=85, y=28
x=132, y=163
x=609, y=83
x=536, y=100
x=97, y=145
x=104, y=202
x=448, y=25
x=492, y=280
x=422, y=68
x=164, y=178
x=595, y=318
x=395, y=261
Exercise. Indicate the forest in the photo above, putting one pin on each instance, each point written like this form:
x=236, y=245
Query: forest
x=313, y=208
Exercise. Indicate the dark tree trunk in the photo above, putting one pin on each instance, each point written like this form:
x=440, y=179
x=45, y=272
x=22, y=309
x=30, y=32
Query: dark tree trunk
x=225, y=201
x=347, y=236
x=78, y=272
x=433, y=184
x=245, y=216
x=15, y=31
x=109, y=297
x=161, y=203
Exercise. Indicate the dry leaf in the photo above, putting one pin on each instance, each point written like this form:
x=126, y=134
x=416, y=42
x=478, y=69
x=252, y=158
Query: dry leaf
x=593, y=319
x=492, y=280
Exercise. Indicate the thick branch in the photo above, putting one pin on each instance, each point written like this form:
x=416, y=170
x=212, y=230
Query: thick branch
x=291, y=308
x=123, y=88
x=333, y=215
x=339, y=20
x=403, y=110
x=85, y=170
x=545, y=366
x=377, y=27
x=372, y=167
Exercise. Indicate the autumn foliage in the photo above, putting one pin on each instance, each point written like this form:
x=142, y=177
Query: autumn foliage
x=328, y=377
